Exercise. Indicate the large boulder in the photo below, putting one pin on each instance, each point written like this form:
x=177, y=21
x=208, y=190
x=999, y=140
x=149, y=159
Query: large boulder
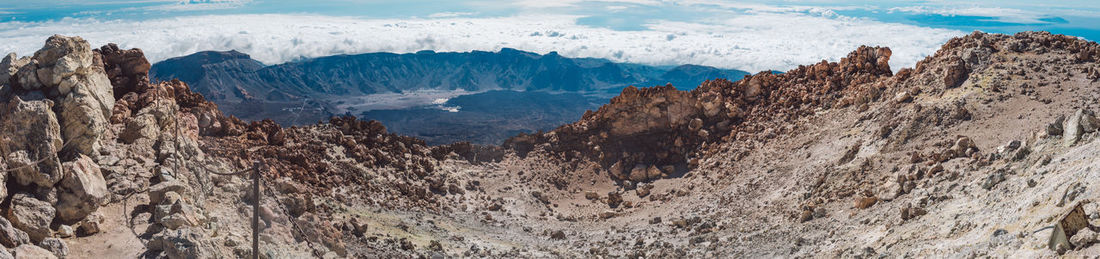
x=149, y=122
x=1078, y=124
x=956, y=73
x=127, y=68
x=62, y=61
x=66, y=70
x=31, y=133
x=83, y=190
x=31, y=215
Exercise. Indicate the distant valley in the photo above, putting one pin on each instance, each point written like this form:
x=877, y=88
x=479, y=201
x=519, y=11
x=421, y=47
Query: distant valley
x=481, y=97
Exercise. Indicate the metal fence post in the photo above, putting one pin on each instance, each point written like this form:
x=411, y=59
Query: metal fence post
x=256, y=210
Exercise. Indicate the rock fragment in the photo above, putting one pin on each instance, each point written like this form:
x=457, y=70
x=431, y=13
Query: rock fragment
x=1055, y=128
x=1084, y=238
x=614, y=199
x=11, y=236
x=55, y=246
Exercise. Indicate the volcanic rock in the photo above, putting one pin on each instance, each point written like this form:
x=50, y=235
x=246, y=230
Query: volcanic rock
x=128, y=70
x=29, y=251
x=11, y=236
x=32, y=134
x=31, y=215
x=614, y=199
x=55, y=246
x=956, y=73
x=84, y=190
x=183, y=243
x=65, y=68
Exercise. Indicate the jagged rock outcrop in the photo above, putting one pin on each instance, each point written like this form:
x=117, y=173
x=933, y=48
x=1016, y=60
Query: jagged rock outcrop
x=66, y=71
x=660, y=128
x=31, y=133
x=127, y=69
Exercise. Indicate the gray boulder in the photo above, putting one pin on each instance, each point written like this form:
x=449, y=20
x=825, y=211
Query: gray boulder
x=83, y=190
x=32, y=133
x=31, y=215
x=65, y=69
x=1078, y=124
x=62, y=61
x=8, y=66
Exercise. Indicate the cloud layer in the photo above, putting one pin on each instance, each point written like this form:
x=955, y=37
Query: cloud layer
x=753, y=42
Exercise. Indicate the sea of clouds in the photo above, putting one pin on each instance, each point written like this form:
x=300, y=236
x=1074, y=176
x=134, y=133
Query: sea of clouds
x=753, y=41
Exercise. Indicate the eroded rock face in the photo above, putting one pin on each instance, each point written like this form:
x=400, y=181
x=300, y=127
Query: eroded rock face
x=662, y=128
x=149, y=123
x=84, y=190
x=9, y=66
x=62, y=62
x=127, y=68
x=31, y=215
x=66, y=71
x=31, y=133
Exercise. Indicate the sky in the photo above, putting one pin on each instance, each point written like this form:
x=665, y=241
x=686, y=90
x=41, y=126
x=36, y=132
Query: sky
x=747, y=35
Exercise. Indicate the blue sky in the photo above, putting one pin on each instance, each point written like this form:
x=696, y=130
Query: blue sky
x=750, y=35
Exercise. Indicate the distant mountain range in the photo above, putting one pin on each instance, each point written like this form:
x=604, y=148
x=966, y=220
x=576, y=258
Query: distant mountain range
x=313, y=89
x=234, y=76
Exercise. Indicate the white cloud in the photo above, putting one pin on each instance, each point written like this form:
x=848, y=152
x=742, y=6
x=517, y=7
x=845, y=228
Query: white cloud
x=537, y=4
x=752, y=42
x=1010, y=15
x=195, y=5
x=450, y=14
x=534, y=4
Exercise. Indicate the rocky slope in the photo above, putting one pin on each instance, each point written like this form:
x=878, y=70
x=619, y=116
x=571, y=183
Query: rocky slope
x=986, y=148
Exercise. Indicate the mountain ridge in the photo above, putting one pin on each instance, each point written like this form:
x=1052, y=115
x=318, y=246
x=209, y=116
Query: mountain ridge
x=382, y=72
x=315, y=89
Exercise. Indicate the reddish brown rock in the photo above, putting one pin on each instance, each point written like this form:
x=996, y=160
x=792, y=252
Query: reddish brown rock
x=127, y=69
x=956, y=73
